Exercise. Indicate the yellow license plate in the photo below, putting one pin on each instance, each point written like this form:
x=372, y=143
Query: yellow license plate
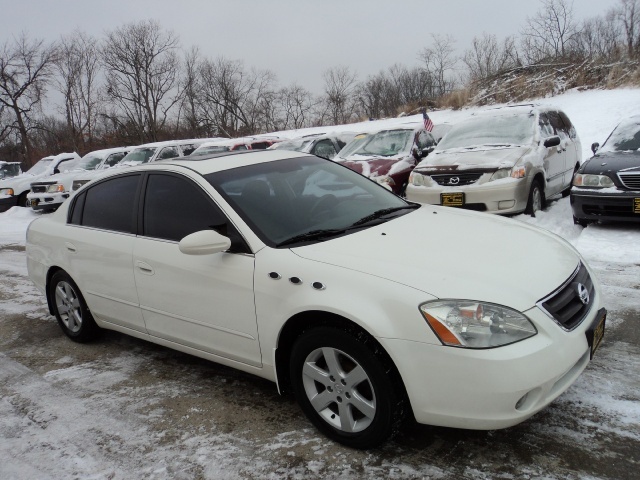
x=595, y=334
x=452, y=199
x=636, y=205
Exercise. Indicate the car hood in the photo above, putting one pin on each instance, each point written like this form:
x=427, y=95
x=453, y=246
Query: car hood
x=450, y=253
x=373, y=167
x=612, y=162
x=482, y=158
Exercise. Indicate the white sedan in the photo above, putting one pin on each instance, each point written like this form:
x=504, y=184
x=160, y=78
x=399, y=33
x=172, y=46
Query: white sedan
x=296, y=269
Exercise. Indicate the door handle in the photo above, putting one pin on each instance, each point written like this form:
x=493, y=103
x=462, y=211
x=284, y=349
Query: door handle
x=70, y=246
x=145, y=268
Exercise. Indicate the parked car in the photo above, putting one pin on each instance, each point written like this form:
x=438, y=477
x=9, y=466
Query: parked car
x=9, y=169
x=320, y=144
x=440, y=130
x=50, y=193
x=389, y=156
x=148, y=152
x=506, y=160
x=13, y=191
x=300, y=271
x=607, y=186
x=235, y=145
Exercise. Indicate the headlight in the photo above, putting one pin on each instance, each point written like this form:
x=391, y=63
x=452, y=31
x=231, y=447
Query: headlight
x=595, y=181
x=416, y=179
x=518, y=172
x=385, y=181
x=498, y=174
x=55, y=188
x=6, y=191
x=469, y=324
x=77, y=184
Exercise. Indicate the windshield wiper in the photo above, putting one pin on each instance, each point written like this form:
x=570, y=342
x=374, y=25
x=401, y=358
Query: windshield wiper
x=381, y=213
x=312, y=235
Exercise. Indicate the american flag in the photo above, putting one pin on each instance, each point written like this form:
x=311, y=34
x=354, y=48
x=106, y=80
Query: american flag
x=428, y=124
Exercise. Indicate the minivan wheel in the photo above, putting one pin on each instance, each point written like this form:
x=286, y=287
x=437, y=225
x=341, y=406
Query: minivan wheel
x=344, y=388
x=535, y=202
x=70, y=309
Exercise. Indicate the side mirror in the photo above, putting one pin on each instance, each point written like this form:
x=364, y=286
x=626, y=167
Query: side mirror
x=416, y=154
x=204, y=242
x=552, y=141
x=594, y=147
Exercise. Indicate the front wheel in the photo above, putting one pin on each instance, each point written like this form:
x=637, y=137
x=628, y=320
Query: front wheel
x=70, y=309
x=347, y=391
x=535, y=202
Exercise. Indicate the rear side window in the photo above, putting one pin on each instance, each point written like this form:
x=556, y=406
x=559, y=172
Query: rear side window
x=108, y=205
x=168, y=152
x=175, y=207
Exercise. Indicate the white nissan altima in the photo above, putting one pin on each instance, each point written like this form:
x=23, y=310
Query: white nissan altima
x=296, y=269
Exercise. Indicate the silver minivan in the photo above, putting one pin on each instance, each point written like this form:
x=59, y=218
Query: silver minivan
x=505, y=160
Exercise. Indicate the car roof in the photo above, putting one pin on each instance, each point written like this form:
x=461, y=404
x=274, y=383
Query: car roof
x=216, y=162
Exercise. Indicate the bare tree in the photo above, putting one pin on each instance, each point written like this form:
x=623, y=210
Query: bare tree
x=601, y=37
x=628, y=14
x=25, y=71
x=339, y=90
x=440, y=61
x=551, y=32
x=142, y=69
x=487, y=56
x=233, y=99
x=294, y=107
x=77, y=79
x=191, y=87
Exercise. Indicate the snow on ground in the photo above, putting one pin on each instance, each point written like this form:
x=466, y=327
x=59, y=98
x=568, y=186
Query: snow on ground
x=114, y=427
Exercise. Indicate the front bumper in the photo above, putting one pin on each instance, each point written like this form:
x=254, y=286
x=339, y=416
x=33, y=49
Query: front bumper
x=503, y=197
x=492, y=388
x=619, y=207
x=6, y=202
x=46, y=201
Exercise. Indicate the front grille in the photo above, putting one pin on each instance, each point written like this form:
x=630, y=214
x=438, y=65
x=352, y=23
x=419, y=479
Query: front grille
x=630, y=180
x=620, y=209
x=565, y=305
x=40, y=187
x=458, y=179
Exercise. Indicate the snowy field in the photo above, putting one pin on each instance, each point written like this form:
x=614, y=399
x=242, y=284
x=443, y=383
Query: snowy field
x=122, y=408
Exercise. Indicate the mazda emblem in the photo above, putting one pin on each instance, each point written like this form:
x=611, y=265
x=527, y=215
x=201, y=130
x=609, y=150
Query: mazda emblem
x=454, y=180
x=583, y=293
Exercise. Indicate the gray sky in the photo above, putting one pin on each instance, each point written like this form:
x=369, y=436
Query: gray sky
x=296, y=39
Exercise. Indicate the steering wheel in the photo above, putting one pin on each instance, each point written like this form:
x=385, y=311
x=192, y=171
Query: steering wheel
x=323, y=204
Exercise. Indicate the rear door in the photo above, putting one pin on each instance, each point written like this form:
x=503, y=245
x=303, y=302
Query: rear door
x=99, y=254
x=204, y=302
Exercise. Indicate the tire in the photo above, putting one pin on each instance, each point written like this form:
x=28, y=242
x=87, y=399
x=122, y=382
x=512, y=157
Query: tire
x=536, y=201
x=351, y=394
x=581, y=222
x=70, y=309
x=22, y=199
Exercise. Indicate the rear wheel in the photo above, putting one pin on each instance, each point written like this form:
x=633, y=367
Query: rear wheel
x=70, y=309
x=535, y=202
x=347, y=391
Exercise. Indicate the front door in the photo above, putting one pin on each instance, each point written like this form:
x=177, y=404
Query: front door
x=204, y=302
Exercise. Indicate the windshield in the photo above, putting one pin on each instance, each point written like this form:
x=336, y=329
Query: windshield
x=40, y=167
x=139, y=155
x=625, y=137
x=485, y=130
x=295, y=197
x=352, y=146
x=386, y=143
x=296, y=145
x=89, y=162
x=214, y=149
